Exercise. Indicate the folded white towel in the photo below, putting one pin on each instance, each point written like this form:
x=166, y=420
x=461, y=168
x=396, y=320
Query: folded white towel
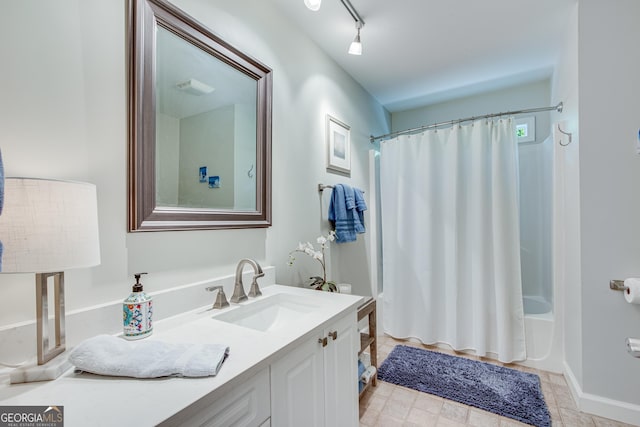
x=109, y=355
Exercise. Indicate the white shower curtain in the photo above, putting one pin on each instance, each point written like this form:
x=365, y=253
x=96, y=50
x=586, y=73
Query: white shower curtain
x=451, y=243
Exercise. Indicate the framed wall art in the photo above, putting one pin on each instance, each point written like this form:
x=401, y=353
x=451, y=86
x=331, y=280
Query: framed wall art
x=338, y=137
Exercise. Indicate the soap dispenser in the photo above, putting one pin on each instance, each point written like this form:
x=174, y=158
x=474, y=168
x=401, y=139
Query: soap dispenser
x=137, y=311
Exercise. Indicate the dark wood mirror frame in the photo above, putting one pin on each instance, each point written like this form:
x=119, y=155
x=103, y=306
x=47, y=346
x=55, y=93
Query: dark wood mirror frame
x=144, y=215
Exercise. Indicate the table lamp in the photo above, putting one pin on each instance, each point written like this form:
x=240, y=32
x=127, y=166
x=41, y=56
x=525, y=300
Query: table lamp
x=46, y=227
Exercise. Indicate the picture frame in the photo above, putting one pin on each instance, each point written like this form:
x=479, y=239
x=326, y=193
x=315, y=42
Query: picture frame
x=526, y=129
x=214, y=181
x=338, y=136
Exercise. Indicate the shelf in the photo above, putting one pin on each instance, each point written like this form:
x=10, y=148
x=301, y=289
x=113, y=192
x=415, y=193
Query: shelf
x=365, y=341
x=365, y=388
x=369, y=341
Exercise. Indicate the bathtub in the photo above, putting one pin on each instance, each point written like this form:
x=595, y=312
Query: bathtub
x=542, y=335
x=536, y=305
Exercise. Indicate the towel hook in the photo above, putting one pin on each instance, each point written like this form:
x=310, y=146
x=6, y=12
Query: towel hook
x=564, y=133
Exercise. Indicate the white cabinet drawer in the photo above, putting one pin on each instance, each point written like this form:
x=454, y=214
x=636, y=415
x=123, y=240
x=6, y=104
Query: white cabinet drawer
x=246, y=405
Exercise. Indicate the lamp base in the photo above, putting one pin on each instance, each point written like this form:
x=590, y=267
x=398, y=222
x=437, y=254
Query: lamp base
x=34, y=372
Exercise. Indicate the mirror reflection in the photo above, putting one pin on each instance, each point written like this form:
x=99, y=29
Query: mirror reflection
x=205, y=129
x=199, y=126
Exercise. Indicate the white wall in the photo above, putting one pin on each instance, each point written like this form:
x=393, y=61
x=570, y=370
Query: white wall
x=609, y=110
x=63, y=114
x=244, y=184
x=208, y=139
x=167, y=160
x=566, y=216
x=529, y=95
x=535, y=180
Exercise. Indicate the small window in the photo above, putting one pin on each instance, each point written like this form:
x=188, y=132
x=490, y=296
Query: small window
x=526, y=129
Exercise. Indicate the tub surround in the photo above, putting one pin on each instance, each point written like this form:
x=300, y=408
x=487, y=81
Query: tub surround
x=95, y=400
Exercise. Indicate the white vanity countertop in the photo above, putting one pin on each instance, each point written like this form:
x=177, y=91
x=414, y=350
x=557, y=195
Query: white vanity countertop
x=108, y=401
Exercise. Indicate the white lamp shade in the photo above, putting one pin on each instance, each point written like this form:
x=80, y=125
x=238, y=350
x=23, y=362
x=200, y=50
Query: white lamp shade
x=313, y=4
x=355, y=48
x=48, y=226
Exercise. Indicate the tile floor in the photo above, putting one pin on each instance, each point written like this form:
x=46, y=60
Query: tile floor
x=388, y=405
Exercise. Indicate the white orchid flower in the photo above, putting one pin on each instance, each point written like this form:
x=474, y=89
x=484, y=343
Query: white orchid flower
x=318, y=255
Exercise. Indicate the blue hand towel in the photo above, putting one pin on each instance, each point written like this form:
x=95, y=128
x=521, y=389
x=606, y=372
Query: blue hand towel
x=360, y=207
x=346, y=212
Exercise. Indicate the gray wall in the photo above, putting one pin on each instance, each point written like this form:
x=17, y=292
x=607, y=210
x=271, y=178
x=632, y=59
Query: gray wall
x=597, y=203
x=64, y=115
x=609, y=113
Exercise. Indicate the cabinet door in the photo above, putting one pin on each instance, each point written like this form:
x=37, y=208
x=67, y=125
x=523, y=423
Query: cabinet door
x=341, y=373
x=297, y=387
x=245, y=405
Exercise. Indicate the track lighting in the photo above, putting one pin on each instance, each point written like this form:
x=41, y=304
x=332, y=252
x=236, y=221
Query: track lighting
x=313, y=4
x=356, y=47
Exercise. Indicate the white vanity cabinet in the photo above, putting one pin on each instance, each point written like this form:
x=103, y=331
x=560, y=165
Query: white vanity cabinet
x=245, y=405
x=316, y=383
x=277, y=376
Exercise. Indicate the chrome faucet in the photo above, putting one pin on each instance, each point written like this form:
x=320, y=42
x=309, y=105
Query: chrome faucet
x=238, y=290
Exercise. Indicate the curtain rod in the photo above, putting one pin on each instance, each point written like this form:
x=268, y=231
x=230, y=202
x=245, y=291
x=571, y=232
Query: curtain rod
x=373, y=139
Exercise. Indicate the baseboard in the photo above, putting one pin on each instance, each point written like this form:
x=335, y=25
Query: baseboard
x=598, y=405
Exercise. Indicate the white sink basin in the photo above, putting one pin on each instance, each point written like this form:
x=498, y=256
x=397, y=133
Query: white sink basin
x=270, y=313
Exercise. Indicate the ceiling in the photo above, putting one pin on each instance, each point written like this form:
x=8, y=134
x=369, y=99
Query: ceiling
x=419, y=52
x=178, y=61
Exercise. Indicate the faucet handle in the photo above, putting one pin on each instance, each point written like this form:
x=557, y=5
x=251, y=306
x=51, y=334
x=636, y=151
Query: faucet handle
x=255, y=289
x=221, y=298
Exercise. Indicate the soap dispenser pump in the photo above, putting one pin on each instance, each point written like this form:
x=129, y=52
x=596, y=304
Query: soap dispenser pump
x=137, y=311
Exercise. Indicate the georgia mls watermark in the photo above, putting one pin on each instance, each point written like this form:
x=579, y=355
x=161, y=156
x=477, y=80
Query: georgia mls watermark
x=31, y=416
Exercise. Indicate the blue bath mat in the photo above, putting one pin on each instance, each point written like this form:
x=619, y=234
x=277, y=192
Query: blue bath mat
x=503, y=391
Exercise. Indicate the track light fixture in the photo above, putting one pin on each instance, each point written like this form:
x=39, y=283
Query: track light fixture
x=313, y=4
x=356, y=47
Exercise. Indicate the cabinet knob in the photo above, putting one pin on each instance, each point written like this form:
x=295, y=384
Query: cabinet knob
x=334, y=335
x=323, y=341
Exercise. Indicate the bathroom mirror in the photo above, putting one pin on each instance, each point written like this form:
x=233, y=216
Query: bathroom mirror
x=199, y=126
